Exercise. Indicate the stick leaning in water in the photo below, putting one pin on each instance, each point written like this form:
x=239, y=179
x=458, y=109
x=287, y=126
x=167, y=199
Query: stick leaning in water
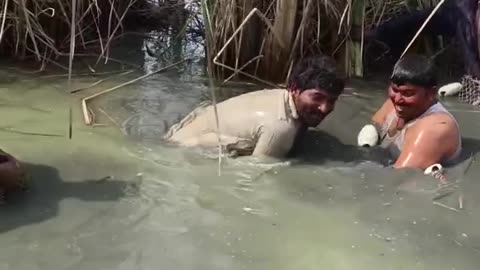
x=70, y=65
x=87, y=117
x=423, y=26
x=217, y=123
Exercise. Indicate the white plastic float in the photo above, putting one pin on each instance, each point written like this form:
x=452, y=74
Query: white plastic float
x=368, y=136
x=450, y=89
x=433, y=168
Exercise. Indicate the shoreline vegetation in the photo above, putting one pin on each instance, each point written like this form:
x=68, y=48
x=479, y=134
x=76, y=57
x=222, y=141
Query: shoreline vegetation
x=243, y=39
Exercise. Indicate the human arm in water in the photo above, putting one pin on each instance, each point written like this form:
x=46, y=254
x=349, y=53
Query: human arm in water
x=432, y=139
x=274, y=140
x=370, y=134
x=412, y=154
x=381, y=115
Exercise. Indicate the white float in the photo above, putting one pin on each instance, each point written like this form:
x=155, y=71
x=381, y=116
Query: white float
x=450, y=89
x=433, y=168
x=368, y=136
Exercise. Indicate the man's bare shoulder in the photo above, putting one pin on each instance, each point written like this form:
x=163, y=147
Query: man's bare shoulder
x=261, y=92
x=436, y=126
x=432, y=139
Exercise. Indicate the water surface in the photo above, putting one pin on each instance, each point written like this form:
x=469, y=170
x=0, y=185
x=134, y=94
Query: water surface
x=114, y=197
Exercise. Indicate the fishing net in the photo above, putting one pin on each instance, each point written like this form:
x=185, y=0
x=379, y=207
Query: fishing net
x=470, y=91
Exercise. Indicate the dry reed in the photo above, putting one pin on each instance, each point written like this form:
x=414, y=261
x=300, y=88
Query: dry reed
x=88, y=115
x=51, y=29
x=264, y=48
x=305, y=27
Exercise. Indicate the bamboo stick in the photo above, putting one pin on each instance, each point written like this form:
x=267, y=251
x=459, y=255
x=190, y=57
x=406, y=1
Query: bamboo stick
x=212, y=90
x=72, y=40
x=4, y=17
x=100, y=81
x=87, y=115
x=247, y=18
x=423, y=26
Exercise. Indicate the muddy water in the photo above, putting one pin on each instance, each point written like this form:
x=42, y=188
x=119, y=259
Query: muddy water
x=114, y=197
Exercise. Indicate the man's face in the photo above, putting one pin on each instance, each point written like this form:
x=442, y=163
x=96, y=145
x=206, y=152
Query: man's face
x=313, y=105
x=409, y=100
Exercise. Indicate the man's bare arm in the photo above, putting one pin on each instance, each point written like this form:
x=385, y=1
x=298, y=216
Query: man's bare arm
x=371, y=134
x=428, y=142
x=379, y=117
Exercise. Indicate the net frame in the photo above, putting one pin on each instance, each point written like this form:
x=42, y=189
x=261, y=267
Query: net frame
x=470, y=92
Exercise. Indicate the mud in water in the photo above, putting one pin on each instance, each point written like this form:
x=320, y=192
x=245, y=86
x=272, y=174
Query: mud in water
x=114, y=197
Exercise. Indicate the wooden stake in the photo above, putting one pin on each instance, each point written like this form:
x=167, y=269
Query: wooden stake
x=87, y=117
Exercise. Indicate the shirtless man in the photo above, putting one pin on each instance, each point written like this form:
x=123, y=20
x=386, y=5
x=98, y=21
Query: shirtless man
x=412, y=124
x=11, y=175
x=266, y=122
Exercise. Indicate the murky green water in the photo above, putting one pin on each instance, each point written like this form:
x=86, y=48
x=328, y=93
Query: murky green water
x=114, y=197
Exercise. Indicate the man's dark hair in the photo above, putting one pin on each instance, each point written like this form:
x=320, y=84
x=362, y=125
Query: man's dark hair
x=415, y=69
x=316, y=73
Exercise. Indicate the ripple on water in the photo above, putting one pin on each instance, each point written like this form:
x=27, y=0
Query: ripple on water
x=335, y=210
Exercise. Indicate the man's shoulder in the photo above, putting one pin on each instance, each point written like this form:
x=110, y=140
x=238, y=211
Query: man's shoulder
x=438, y=119
x=268, y=94
x=265, y=92
x=436, y=125
x=435, y=136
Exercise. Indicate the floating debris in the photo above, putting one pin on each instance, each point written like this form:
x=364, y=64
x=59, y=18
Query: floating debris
x=446, y=206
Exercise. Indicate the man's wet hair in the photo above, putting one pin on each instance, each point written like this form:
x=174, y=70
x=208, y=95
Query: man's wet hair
x=317, y=72
x=415, y=69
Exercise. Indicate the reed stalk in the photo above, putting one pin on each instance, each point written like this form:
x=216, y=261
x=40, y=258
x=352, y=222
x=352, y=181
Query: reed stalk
x=263, y=49
x=304, y=27
x=355, y=48
x=45, y=29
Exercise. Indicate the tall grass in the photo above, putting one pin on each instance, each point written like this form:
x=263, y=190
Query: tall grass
x=44, y=29
x=266, y=46
x=302, y=27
